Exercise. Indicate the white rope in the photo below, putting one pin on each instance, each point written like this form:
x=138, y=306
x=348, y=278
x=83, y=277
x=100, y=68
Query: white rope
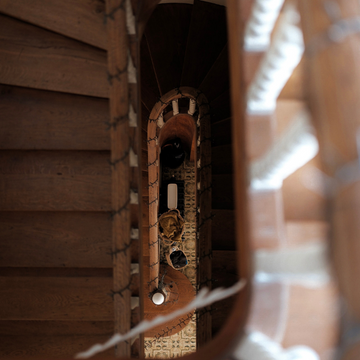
x=204, y=298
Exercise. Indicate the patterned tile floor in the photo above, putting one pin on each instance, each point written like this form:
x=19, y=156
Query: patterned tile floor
x=184, y=342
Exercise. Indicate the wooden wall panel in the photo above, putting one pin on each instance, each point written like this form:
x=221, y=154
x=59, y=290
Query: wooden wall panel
x=37, y=58
x=54, y=180
x=46, y=120
x=82, y=20
x=56, y=298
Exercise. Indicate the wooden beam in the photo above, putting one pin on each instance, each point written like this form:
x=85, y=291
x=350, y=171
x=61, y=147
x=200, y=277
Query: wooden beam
x=83, y=20
x=37, y=58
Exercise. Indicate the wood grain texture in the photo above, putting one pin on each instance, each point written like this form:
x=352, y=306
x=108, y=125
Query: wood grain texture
x=119, y=50
x=167, y=36
x=44, y=120
x=49, y=298
x=82, y=20
x=54, y=180
x=37, y=58
x=57, y=239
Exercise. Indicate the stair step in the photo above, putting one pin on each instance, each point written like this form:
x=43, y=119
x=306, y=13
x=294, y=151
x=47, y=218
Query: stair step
x=51, y=62
x=52, y=120
x=57, y=239
x=63, y=18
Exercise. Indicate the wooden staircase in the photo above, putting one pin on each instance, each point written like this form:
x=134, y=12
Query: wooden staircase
x=186, y=45
x=56, y=266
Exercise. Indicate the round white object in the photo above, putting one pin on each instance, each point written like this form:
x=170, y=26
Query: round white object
x=158, y=298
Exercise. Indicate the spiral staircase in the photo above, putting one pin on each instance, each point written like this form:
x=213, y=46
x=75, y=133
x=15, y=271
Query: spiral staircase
x=56, y=263
x=56, y=256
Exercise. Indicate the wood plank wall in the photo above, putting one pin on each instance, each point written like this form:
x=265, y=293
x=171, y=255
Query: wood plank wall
x=55, y=182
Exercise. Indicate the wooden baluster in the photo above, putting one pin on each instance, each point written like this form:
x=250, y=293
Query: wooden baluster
x=296, y=146
x=277, y=65
x=261, y=23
